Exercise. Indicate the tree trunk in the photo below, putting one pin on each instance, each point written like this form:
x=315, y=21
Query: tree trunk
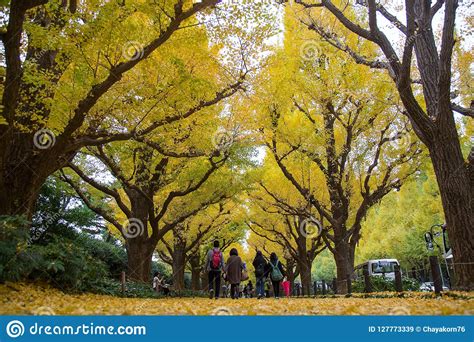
x=139, y=253
x=195, y=262
x=343, y=266
x=23, y=170
x=20, y=198
x=457, y=195
x=305, y=273
x=290, y=273
x=179, y=263
x=204, y=281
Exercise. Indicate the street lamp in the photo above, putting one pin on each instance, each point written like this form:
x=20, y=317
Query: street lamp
x=430, y=242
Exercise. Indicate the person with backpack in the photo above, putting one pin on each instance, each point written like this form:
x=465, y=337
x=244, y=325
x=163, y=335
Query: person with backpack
x=261, y=267
x=214, y=267
x=276, y=274
x=233, y=271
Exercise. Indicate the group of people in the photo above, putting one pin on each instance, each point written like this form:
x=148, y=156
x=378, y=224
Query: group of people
x=234, y=271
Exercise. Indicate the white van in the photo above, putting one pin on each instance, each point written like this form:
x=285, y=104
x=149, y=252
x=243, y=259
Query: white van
x=377, y=267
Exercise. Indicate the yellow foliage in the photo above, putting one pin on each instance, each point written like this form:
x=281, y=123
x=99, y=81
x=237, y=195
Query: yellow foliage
x=34, y=299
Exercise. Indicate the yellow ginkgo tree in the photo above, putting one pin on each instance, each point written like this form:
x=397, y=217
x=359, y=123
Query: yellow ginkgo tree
x=341, y=147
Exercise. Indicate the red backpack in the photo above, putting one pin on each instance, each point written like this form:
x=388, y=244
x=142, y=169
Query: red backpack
x=216, y=259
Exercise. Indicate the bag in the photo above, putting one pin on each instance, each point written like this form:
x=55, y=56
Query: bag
x=216, y=259
x=245, y=275
x=260, y=270
x=276, y=274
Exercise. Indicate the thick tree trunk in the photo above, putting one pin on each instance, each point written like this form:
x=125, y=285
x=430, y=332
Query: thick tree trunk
x=305, y=273
x=139, y=253
x=23, y=170
x=195, y=262
x=20, y=182
x=179, y=263
x=19, y=198
x=457, y=194
x=343, y=266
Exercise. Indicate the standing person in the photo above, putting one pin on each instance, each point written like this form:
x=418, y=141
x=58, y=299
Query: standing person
x=276, y=274
x=286, y=287
x=214, y=267
x=233, y=270
x=261, y=268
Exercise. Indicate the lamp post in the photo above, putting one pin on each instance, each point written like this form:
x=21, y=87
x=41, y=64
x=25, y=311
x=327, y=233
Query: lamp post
x=430, y=242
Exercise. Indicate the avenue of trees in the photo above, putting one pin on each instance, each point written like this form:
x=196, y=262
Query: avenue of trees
x=300, y=127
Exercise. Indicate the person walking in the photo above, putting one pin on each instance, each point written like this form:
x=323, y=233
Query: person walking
x=286, y=287
x=214, y=267
x=276, y=274
x=233, y=271
x=261, y=267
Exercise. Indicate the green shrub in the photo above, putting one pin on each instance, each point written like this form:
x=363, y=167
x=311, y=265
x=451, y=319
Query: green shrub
x=113, y=256
x=67, y=265
x=14, y=259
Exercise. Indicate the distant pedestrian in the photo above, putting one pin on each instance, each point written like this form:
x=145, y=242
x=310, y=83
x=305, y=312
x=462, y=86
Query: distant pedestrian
x=233, y=271
x=261, y=268
x=159, y=284
x=276, y=274
x=286, y=287
x=214, y=267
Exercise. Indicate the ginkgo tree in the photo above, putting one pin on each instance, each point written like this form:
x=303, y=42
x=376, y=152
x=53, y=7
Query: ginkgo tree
x=185, y=241
x=281, y=216
x=321, y=109
x=153, y=193
x=85, y=73
x=429, y=71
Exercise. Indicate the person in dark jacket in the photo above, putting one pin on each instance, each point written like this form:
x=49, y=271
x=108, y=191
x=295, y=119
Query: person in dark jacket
x=261, y=272
x=277, y=273
x=233, y=271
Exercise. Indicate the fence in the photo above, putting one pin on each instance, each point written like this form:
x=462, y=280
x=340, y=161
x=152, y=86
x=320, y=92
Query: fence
x=323, y=288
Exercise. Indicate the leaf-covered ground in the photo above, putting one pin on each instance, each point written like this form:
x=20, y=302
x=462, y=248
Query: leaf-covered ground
x=27, y=299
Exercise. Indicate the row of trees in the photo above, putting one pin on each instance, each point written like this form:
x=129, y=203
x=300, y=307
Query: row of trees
x=122, y=101
x=130, y=121
x=423, y=75
x=336, y=147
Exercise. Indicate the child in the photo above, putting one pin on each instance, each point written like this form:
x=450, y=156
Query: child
x=286, y=287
